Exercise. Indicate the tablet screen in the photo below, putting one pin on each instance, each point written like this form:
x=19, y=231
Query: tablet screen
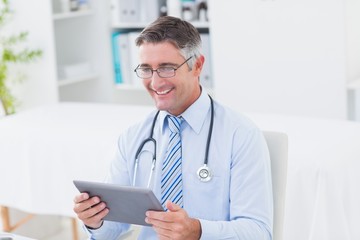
x=126, y=204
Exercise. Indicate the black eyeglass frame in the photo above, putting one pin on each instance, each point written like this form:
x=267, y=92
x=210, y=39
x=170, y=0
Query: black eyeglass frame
x=159, y=72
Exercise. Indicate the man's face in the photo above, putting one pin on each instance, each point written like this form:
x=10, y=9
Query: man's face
x=174, y=94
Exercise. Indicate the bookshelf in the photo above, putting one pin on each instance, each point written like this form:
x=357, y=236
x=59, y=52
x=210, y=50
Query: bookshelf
x=202, y=26
x=82, y=51
x=70, y=15
x=78, y=79
x=77, y=64
x=70, y=60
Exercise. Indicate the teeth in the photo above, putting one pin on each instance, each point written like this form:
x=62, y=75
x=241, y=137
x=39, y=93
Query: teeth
x=163, y=92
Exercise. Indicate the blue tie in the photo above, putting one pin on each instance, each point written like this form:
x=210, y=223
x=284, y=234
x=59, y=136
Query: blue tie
x=171, y=178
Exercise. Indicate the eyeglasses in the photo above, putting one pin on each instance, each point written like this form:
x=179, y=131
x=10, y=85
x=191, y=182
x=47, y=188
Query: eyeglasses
x=163, y=72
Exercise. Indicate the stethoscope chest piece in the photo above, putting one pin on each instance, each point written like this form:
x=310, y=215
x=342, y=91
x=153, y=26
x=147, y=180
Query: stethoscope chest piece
x=204, y=173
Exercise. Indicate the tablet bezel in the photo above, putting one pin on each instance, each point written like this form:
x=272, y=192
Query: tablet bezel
x=127, y=204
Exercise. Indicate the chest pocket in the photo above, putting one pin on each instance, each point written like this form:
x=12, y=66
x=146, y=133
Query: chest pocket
x=206, y=199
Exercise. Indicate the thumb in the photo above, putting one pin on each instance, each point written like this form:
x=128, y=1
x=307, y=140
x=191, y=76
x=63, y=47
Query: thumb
x=172, y=206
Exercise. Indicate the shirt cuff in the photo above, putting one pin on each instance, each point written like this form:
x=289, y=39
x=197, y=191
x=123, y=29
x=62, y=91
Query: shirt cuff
x=209, y=229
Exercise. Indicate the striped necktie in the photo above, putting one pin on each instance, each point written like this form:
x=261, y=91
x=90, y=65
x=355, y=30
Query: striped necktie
x=171, y=178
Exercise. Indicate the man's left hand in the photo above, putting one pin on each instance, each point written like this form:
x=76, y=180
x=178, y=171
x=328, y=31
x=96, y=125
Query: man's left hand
x=174, y=224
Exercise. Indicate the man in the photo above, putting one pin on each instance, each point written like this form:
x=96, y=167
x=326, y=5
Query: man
x=236, y=202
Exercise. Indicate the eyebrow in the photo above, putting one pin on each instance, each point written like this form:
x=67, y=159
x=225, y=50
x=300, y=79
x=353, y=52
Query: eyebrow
x=168, y=64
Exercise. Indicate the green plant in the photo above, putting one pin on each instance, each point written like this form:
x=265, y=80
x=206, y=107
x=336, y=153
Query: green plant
x=11, y=53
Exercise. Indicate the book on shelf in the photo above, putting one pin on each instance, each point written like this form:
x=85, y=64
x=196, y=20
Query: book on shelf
x=116, y=58
x=125, y=11
x=134, y=58
x=134, y=11
x=149, y=10
x=114, y=11
x=125, y=58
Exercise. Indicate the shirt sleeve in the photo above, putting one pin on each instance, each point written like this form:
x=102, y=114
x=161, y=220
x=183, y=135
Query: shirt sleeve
x=237, y=229
x=108, y=231
x=251, y=200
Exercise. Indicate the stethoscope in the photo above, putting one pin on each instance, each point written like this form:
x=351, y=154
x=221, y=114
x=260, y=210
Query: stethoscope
x=203, y=173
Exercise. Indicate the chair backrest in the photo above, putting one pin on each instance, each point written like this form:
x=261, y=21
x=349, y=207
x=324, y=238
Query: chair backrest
x=278, y=147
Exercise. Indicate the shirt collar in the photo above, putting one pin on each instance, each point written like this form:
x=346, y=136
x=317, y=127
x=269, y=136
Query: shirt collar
x=194, y=115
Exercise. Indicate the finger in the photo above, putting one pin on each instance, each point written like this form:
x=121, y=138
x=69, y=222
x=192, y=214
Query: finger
x=162, y=234
x=95, y=210
x=159, y=219
x=86, y=204
x=160, y=227
x=81, y=197
x=96, y=220
x=172, y=206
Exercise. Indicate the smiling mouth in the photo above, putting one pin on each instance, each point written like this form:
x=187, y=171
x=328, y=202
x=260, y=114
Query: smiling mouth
x=163, y=92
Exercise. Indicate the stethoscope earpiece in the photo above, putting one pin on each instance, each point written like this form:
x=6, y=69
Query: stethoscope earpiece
x=204, y=173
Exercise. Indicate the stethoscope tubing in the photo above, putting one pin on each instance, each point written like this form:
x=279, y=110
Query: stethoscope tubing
x=203, y=177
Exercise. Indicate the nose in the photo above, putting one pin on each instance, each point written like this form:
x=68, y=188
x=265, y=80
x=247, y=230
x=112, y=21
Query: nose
x=156, y=81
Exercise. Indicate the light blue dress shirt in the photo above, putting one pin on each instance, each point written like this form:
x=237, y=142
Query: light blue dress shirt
x=236, y=203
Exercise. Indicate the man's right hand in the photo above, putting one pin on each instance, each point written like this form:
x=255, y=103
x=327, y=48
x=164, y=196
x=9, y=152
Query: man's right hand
x=90, y=210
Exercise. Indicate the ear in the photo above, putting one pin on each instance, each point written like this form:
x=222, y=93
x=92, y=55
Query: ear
x=199, y=65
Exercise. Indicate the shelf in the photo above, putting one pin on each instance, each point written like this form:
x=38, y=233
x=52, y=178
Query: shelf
x=353, y=85
x=200, y=24
x=69, y=81
x=75, y=14
x=124, y=86
x=135, y=25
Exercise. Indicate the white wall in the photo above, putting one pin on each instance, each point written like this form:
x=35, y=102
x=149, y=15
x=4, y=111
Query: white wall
x=352, y=11
x=274, y=56
x=39, y=86
x=353, y=54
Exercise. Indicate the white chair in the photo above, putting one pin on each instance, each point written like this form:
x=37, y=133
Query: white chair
x=278, y=147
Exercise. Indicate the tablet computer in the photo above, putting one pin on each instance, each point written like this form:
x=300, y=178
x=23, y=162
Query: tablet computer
x=126, y=204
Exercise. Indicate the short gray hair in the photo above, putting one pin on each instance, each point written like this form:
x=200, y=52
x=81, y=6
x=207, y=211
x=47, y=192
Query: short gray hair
x=183, y=35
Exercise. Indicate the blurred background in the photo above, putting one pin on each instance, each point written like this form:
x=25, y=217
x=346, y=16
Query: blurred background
x=293, y=57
